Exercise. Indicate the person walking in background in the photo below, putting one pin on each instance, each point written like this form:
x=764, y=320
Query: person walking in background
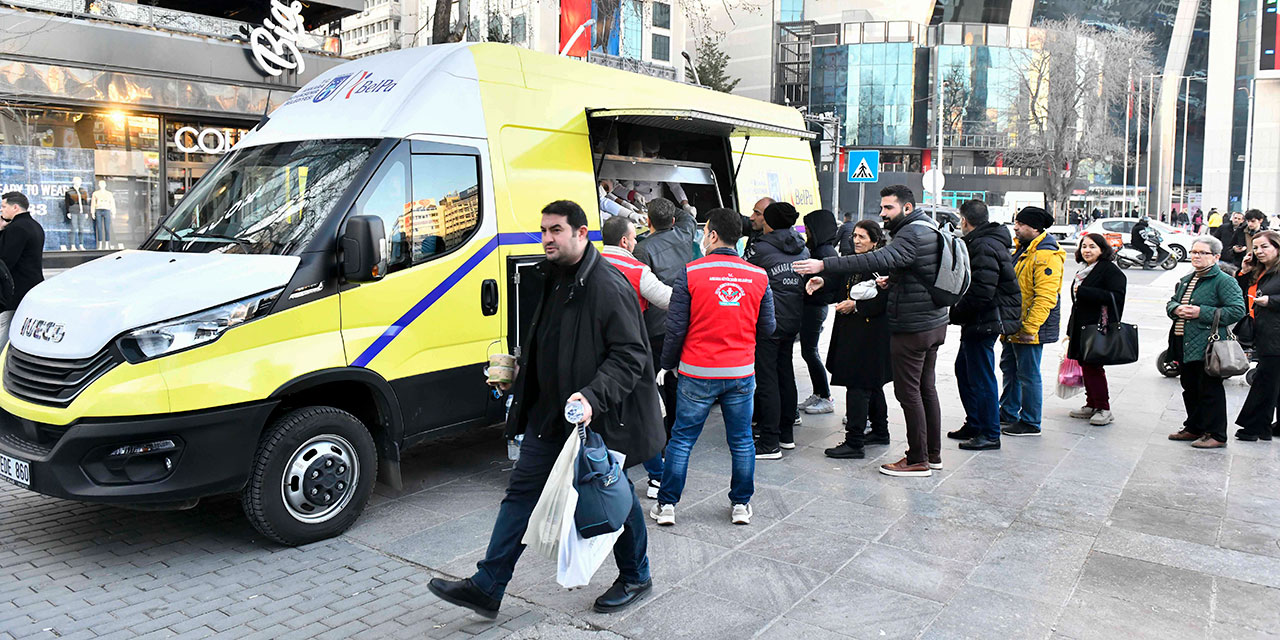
x=619, y=235
x=1260, y=281
x=775, y=407
x=1097, y=295
x=844, y=237
x=586, y=344
x=820, y=238
x=720, y=307
x=858, y=357
x=989, y=309
x=1038, y=262
x=1197, y=222
x=1196, y=299
x=1233, y=239
x=22, y=251
x=918, y=325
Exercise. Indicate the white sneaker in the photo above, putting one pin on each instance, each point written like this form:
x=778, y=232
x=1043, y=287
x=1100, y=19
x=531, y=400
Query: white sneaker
x=787, y=445
x=652, y=491
x=823, y=405
x=664, y=514
x=1102, y=418
x=1083, y=413
x=808, y=402
x=798, y=421
x=741, y=514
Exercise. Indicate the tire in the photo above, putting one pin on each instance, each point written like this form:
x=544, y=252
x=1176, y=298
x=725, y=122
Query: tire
x=1179, y=252
x=1250, y=375
x=1123, y=264
x=1169, y=263
x=1167, y=369
x=312, y=451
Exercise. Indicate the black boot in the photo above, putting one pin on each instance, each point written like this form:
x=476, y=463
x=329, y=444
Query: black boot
x=965, y=432
x=465, y=594
x=845, y=451
x=622, y=595
x=979, y=443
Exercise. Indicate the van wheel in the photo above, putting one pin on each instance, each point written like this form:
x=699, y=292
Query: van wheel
x=312, y=476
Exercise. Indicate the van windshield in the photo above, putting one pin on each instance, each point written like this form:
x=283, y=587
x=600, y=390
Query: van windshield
x=270, y=199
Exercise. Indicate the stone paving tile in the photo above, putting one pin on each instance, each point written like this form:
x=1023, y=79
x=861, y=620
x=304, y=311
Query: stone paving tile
x=864, y=610
x=1250, y=537
x=1034, y=562
x=682, y=613
x=976, y=612
x=1242, y=604
x=812, y=548
x=1065, y=505
x=1146, y=583
x=751, y=580
x=1090, y=615
x=1191, y=526
x=1226, y=563
x=910, y=572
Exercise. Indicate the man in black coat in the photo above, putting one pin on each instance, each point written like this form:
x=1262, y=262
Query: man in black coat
x=1233, y=237
x=918, y=325
x=991, y=308
x=587, y=344
x=775, y=408
x=22, y=251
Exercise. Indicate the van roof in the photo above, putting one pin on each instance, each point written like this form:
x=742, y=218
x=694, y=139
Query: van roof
x=437, y=90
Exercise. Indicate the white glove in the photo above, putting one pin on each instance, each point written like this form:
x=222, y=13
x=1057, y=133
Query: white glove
x=692, y=211
x=661, y=374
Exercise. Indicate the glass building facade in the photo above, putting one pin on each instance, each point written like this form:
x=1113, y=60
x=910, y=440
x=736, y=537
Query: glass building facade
x=871, y=86
x=983, y=88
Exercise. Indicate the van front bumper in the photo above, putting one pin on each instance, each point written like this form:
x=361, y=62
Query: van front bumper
x=138, y=460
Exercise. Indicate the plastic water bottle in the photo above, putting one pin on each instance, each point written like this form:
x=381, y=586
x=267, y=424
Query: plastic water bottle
x=513, y=447
x=575, y=412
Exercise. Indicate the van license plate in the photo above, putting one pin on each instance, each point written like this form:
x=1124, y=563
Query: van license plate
x=17, y=471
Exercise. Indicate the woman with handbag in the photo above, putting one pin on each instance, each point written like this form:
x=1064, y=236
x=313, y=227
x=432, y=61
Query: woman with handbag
x=1204, y=306
x=858, y=358
x=1097, y=299
x=1260, y=280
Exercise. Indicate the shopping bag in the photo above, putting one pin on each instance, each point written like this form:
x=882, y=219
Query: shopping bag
x=555, y=505
x=579, y=558
x=1070, y=378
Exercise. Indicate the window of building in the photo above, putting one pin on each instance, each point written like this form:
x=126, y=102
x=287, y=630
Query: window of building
x=661, y=48
x=974, y=35
x=632, y=29
x=1017, y=37
x=446, y=204
x=518, y=29
x=853, y=33
x=997, y=35
x=791, y=11
x=952, y=34
x=662, y=15
x=899, y=31
x=873, y=32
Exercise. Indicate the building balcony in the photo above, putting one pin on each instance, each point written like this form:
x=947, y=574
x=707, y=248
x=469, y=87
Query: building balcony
x=635, y=66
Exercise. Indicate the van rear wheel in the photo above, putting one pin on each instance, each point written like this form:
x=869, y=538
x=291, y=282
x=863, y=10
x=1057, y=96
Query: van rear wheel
x=312, y=476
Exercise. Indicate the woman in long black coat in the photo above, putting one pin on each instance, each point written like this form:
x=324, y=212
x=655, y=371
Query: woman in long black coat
x=858, y=358
x=1098, y=288
x=1260, y=280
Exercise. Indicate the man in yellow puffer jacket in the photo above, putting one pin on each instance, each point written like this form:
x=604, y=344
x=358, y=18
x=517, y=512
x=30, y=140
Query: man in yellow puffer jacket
x=1038, y=261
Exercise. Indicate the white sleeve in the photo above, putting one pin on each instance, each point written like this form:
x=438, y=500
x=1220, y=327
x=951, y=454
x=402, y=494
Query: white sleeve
x=610, y=208
x=678, y=192
x=653, y=289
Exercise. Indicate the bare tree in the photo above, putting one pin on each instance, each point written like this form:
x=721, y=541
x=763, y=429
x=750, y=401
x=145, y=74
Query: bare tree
x=1071, y=96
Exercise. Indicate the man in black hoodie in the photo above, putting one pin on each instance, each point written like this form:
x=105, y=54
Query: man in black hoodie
x=820, y=238
x=775, y=409
x=989, y=309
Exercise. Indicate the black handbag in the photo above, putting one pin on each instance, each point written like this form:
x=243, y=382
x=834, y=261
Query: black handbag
x=1245, y=333
x=1108, y=343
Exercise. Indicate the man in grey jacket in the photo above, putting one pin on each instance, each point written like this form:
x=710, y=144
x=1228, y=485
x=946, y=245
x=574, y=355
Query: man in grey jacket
x=667, y=249
x=917, y=324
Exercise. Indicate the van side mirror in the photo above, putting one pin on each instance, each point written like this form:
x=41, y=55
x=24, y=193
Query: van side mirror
x=364, y=249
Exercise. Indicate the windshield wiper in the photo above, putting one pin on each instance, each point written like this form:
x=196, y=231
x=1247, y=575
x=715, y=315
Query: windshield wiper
x=174, y=234
x=218, y=236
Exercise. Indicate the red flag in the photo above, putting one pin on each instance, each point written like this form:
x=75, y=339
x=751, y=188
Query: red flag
x=572, y=14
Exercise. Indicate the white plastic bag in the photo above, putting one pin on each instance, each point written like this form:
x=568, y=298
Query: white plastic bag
x=864, y=290
x=555, y=506
x=579, y=557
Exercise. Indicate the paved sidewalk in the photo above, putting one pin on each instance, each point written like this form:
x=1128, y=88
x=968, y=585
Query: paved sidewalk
x=1082, y=533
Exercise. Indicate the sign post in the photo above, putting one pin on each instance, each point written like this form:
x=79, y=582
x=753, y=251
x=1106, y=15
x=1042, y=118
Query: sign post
x=864, y=167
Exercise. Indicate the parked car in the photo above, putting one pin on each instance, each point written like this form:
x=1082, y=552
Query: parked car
x=946, y=217
x=1117, y=231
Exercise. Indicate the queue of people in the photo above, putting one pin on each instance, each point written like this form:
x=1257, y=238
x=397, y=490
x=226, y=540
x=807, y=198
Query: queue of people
x=728, y=324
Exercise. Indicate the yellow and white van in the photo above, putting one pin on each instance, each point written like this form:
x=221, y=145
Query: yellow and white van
x=328, y=294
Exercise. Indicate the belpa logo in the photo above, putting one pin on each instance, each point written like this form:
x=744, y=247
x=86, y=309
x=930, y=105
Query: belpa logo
x=329, y=89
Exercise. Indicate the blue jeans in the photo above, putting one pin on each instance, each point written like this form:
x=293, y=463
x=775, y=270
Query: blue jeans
x=979, y=391
x=695, y=399
x=537, y=456
x=1023, y=392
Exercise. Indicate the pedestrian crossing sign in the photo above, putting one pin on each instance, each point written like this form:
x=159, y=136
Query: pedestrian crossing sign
x=864, y=166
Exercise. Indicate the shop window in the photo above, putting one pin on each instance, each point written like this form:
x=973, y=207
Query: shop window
x=445, y=211
x=662, y=15
x=661, y=48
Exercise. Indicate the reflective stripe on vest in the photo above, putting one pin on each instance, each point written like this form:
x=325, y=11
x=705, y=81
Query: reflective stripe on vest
x=634, y=270
x=725, y=293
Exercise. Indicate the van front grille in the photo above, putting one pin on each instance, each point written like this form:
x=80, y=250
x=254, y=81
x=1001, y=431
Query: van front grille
x=53, y=381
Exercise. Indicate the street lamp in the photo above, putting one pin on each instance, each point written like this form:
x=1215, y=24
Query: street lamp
x=1248, y=153
x=576, y=34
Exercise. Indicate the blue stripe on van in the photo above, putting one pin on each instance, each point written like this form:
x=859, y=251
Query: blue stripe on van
x=515, y=238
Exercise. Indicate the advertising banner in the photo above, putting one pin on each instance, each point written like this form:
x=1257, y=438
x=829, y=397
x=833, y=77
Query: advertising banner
x=573, y=13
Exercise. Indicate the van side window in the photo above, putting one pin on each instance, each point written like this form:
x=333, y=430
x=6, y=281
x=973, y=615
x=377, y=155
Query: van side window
x=387, y=197
x=446, y=203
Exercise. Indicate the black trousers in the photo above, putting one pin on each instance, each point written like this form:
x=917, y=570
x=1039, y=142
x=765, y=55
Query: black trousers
x=775, y=402
x=1264, y=394
x=1205, y=400
x=811, y=319
x=666, y=386
x=864, y=404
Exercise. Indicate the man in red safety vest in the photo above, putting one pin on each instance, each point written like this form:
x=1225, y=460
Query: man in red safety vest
x=719, y=306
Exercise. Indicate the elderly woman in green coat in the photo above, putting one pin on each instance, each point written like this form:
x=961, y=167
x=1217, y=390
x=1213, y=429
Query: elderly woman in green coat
x=1197, y=298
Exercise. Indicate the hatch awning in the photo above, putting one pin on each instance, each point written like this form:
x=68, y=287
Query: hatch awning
x=693, y=121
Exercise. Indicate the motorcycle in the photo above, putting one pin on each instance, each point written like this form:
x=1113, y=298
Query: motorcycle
x=1128, y=256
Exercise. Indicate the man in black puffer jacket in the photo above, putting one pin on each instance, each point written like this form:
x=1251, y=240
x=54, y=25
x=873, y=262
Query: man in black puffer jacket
x=775, y=408
x=992, y=307
x=821, y=237
x=917, y=324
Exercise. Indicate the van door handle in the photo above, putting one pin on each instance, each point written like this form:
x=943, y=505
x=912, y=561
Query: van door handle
x=489, y=297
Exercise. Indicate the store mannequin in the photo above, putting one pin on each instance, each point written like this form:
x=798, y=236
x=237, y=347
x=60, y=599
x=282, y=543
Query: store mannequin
x=77, y=204
x=104, y=205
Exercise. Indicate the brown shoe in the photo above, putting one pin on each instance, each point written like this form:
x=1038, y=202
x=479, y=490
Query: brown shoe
x=902, y=468
x=1184, y=435
x=1208, y=442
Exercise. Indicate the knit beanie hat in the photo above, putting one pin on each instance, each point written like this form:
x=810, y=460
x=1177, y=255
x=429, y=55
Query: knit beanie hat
x=1035, y=217
x=781, y=215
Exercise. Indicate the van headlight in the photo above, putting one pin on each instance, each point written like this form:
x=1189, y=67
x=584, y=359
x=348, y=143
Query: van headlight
x=194, y=330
